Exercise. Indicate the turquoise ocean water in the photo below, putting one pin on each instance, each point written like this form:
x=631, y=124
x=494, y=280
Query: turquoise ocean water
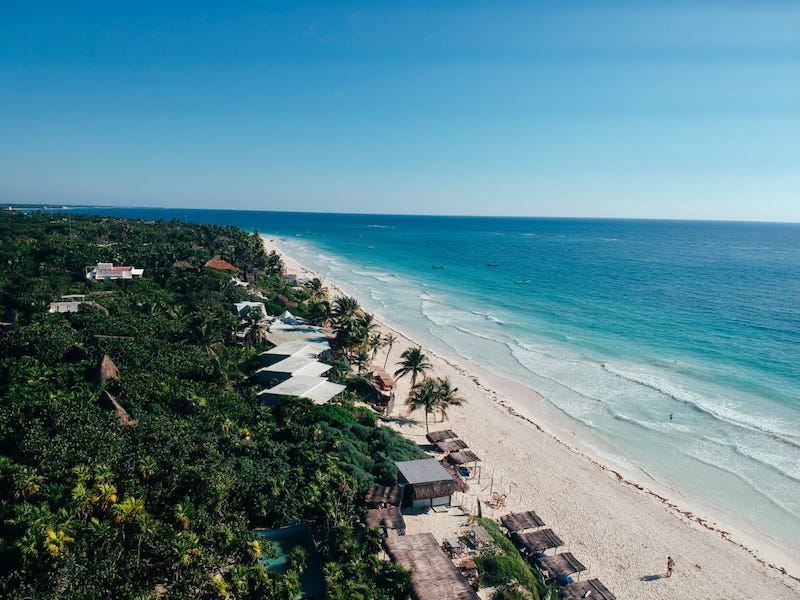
x=618, y=324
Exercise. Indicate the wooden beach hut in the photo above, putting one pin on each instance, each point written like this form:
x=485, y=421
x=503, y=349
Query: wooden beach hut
x=591, y=588
x=521, y=521
x=425, y=482
x=537, y=541
x=433, y=576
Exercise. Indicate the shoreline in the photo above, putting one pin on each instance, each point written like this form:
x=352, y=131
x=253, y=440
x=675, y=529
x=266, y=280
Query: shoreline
x=622, y=530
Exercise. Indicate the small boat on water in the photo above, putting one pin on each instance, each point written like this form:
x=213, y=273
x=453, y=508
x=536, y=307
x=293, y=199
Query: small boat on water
x=492, y=264
x=438, y=266
x=522, y=281
x=370, y=247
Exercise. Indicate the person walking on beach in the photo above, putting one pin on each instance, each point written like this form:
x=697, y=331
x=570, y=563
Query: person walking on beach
x=670, y=566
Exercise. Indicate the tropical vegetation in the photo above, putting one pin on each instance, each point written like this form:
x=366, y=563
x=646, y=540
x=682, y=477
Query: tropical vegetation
x=163, y=503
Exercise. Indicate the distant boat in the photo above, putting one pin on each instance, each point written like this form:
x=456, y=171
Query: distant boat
x=438, y=266
x=492, y=264
x=522, y=281
x=370, y=247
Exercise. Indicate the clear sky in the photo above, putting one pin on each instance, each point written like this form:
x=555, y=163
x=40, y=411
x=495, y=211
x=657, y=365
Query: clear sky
x=563, y=108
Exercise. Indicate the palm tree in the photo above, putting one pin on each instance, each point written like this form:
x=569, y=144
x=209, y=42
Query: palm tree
x=447, y=396
x=316, y=290
x=388, y=342
x=413, y=361
x=374, y=343
x=345, y=309
x=425, y=395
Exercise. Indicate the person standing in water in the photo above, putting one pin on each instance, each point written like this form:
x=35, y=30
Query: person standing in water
x=670, y=566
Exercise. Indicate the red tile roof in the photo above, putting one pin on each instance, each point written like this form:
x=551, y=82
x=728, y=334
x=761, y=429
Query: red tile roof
x=218, y=263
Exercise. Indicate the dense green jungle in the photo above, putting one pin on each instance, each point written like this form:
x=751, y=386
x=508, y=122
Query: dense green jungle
x=149, y=484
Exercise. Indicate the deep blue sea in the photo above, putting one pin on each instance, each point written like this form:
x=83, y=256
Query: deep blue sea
x=617, y=323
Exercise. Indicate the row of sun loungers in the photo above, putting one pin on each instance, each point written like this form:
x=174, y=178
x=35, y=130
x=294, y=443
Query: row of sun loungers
x=526, y=531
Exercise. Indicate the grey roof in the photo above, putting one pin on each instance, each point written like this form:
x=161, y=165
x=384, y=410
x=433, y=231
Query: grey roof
x=423, y=470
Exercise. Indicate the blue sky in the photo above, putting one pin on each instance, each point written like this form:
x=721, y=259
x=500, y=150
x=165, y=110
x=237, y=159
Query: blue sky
x=616, y=109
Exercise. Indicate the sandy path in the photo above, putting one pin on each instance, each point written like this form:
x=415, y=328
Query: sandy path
x=623, y=533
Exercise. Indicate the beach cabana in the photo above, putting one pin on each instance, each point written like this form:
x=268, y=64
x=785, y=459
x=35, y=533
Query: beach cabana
x=537, y=541
x=561, y=565
x=433, y=576
x=462, y=457
x=381, y=495
x=435, y=437
x=521, y=521
x=451, y=445
x=385, y=518
x=591, y=588
x=426, y=483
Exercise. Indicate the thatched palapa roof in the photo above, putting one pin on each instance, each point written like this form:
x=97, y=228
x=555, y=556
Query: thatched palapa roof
x=561, y=564
x=379, y=495
x=462, y=457
x=388, y=518
x=108, y=402
x=107, y=370
x=521, y=521
x=451, y=445
x=591, y=588
x=440, y=436
x=433, y=576
x=537, y=541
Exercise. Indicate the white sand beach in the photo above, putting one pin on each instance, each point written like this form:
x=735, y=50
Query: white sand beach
x=621, y=531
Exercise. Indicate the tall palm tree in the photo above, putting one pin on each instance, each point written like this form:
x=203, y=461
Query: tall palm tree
x=424, y=395
x=388, y=341
x=413, y=361
x=374, y=343
x=447, y=396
